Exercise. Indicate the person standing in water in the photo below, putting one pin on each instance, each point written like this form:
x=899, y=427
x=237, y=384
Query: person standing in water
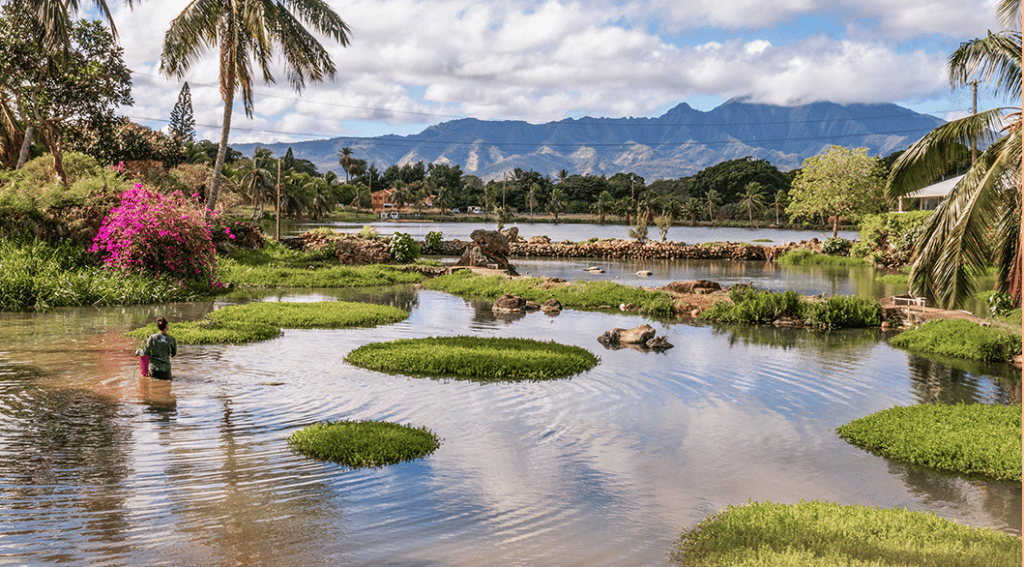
x=160, y=347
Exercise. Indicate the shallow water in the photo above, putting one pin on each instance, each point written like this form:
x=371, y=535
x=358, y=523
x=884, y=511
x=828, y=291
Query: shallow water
x=99, y=466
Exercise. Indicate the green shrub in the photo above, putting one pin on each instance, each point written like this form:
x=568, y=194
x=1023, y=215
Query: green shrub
x=319, y=315
x=960, y=338
x=433, y=241
x=836, y=246
x=999, y=303
x=364, y=443
x=803, y=256
x=964, y=438
x=894, y=279
x=889, y=236
x=474, y=358
x=211, y=331
x=840, y=312
x=825, y=534
x=403, y=248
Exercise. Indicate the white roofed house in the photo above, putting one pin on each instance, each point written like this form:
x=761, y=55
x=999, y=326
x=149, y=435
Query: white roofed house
x=930, y=196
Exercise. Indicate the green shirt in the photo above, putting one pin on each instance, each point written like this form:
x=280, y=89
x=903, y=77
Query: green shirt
x=160, y=347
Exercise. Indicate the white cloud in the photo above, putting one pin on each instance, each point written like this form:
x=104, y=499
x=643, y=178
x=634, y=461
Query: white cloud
x=541, y=61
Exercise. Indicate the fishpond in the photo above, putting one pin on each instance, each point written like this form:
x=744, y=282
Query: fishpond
x=99, y=466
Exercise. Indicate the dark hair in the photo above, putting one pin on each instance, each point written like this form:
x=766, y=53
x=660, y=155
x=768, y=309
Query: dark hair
x=161, y=323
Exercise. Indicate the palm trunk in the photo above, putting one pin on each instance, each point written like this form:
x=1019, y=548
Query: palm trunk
x=222, y=150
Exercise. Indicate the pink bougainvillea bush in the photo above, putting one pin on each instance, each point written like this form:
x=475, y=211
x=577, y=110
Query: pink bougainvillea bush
x=158, y=235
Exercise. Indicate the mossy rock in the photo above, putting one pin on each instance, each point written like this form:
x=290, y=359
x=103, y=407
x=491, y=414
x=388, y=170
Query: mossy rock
x=318, y=315
x=475, y=358
x=207, y=331
x=364, y=443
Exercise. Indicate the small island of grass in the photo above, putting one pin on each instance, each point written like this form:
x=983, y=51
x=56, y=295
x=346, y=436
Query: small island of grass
x=211, y=331
x=318, y=315
x=825, y=534
x=474, y=358
x=960, y=338
x=964, y=438
x=364, y=443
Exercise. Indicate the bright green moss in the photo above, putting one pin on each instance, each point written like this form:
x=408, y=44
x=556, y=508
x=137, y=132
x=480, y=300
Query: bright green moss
x=319, y=315
x=961, y=338
x=964, y=438
x=207, y=331
x=364, y=443
x=825, y=534
x=474, y=358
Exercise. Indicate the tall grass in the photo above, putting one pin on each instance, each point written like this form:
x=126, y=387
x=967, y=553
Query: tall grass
x=763, y=307
x=825, y=534
x=965, y=438
x=248, y=275
x=319, y=315
x=804, y=257
x=38, y=275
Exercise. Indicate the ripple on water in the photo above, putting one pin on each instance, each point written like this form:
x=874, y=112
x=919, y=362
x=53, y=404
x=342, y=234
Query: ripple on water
x=604, y=468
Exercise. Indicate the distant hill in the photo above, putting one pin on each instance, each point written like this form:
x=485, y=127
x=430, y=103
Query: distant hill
x=679, y=143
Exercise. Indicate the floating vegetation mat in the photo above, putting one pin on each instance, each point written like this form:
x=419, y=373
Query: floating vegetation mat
x=825, y=534
x=965, y=438
x=211, y=331
x=319, y=315
x=475, y=358
x=364, y=443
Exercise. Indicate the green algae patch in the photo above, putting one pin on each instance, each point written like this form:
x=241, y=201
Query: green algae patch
x=825, y=534
x=960, y=338
x=318, y=315
x=964, y=438
x=364, y=443
x=474, y=358
x=210, y=331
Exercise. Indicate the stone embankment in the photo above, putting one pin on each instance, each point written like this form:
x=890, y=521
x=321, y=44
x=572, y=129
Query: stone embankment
x=632, y=249
x=353, y=250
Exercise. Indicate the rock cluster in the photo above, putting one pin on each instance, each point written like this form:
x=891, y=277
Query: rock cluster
x=642, y=336
x=654, y=250
x=490, y=249
x=509, y=304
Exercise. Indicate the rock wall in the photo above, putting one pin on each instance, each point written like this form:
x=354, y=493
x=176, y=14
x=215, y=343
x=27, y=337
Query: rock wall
x=632, y=249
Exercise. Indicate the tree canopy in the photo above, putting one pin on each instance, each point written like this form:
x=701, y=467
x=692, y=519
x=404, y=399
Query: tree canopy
x=837, y=183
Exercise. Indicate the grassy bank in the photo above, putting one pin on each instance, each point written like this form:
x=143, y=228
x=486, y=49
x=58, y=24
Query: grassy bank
x=210, y=331
x=960, y=338
x=318, y=315
x=964, y=438
x=38, y=275
x=574, y=295
x=825, y=534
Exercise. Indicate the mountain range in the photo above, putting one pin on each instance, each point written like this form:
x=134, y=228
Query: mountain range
x=679, y=143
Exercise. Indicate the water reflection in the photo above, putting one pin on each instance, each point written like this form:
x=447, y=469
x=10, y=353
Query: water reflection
x=100, y=466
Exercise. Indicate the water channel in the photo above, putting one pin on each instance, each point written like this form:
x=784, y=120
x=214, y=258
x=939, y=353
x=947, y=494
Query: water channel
x=101, y=467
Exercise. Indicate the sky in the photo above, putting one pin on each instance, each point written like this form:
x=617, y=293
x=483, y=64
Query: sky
x=414, y=63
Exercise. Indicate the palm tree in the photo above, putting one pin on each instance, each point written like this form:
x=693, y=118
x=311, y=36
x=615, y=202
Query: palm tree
x=712, y=199
x=556, y=204
x=345, y=160
x=979, y=222
x=604, y=205
x=257, y=180
x=780, y=202
x=245, y=31
x=55, y=17
x=531, y=197
x=752, y=200
x=692, y=208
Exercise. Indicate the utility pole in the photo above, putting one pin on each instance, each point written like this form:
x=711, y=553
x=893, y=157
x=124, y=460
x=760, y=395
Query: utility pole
x=277, y=208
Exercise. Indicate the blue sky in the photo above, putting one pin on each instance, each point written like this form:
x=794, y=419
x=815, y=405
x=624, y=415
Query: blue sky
x=414, y=63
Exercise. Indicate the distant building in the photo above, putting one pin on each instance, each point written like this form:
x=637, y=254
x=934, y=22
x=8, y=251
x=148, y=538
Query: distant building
x=381, y=199
x=930, y=197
